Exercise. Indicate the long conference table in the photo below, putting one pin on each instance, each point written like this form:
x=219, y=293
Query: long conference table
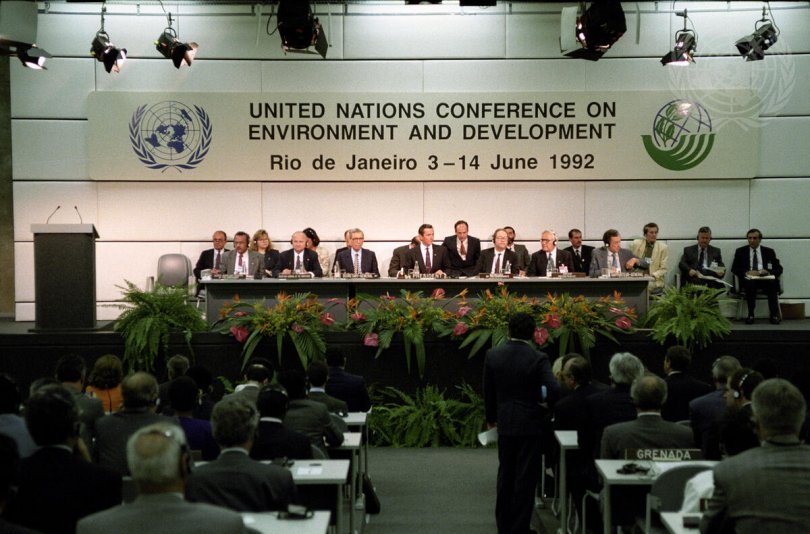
x=221, y=291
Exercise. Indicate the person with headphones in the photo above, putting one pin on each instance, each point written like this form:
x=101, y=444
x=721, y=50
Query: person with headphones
x=736, y=429
x=612, y=256
x=550, y=255
x=299, y=258
x=493, y=260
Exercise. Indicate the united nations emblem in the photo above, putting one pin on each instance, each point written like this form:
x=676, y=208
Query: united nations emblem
x=681, y=135
x=170, y=135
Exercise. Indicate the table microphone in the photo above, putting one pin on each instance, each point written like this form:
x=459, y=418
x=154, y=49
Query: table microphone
x=81, y=221
x=52, y=214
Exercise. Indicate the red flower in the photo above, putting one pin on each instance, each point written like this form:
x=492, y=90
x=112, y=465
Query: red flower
x=358, y=316
x=540, y=335
x=297, y=328
x=552, y=320
x=438, y=293
x=460, y=329
x=615, y=311
x=240, y=314
x=335, y=301
x=371, y=340
x=241, y=333
x=624, y=323
x=327, y=319
x=387, y=297
x=464, y=310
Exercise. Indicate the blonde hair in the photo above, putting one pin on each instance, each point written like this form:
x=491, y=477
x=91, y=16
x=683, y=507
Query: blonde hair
x=260, y=234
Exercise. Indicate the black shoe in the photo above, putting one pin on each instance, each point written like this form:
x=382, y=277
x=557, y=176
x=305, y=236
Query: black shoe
x=775, y=320
x=749, y=319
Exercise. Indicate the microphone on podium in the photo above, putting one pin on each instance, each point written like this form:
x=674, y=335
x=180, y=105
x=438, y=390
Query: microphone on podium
x=52, y=214
x=81, y=221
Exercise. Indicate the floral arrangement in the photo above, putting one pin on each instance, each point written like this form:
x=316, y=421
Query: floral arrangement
x=690, y=315
x=411, y=314
x=300, y=316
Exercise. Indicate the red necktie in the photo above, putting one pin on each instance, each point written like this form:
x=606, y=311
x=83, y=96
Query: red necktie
x=498, y=264
x=240, y=262
x=463, y=249
x=428, y=266
x=218, y=261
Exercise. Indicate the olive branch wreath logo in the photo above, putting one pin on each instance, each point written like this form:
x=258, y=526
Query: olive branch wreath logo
x=149, y=160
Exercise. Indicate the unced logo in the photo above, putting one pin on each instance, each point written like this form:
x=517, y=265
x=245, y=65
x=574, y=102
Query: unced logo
x=681, y=136
x=170, y=135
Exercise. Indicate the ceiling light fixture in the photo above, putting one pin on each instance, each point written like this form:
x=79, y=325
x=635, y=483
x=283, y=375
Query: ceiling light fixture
x=597, y=28
x=18, y=33
x=33, y=57
x=683, y=52
x=752, y=47
x=299, y=29
x=104, y=51
x=171, y=48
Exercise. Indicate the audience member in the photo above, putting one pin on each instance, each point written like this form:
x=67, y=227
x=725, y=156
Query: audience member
x=314, y=244
x=514, y=376
x=521, y=250
x=356, y=259
x=183, y=398
x=176, y=366
x=160, y=462
x=767, y=488
x=70, y=372
x=140, y=395
x=9, y=476
x=681, y=388
x=11, y=424
x=274, y=440
x=400, y=257
x=612, y=256
x=234, y=480
x=261, y=243
x=463, y=251
x=212, y=258
x=757, y=269
x=105, y=382
x=581, y=254
x=653, y=255
x=241, y=261
x=428, y=257
x=549, y=258
x=299, y=258
x=707, y=410
x=318, y=375
x=256, y=376
x=702, y=260
x=58, y=485
x=494, y=260
x=307, y=416
x=208, y=395
x=736, y=428
x=346, y=386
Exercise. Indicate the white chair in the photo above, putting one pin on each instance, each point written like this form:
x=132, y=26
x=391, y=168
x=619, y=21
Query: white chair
x=666, y=493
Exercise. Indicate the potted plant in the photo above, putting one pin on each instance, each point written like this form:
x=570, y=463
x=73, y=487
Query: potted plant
x=690, y=315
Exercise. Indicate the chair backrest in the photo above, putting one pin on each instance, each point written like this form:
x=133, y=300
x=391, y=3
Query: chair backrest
x=667, y=489
x=174, y=270
x=318, y=454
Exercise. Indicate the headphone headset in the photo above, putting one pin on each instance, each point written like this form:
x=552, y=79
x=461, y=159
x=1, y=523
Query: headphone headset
x=737, y=392
x=186, y=461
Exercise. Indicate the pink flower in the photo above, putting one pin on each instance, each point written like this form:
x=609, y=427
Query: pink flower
x=371, y=340
x=335, y=301
x=241, y=333
x=240, y=314
x=358, y=316
x=540, y=335
x=297, y=328
x=615, y=311
x=464, y=310
x=327, y=319
x=387, y=297
x=624, y=323
x=460, y=329
x=438, y=293
x=552, y=320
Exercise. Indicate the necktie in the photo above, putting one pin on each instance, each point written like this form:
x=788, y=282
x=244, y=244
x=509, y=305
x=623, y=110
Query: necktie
x=297, y=262
x=240, y=262
x=356, y=263
x=428, y=266
x=498, y=264
x=755, y=262
x=616, y=261
x=579, y=257
x=462, y=250
x=218, y=260
x=701, y=259
x=549, y=260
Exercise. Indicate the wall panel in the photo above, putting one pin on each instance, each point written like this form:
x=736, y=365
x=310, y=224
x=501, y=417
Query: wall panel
x=35, y=201
x=316, y=77
x=779, y=206
x=783, y=143
x=59, y=93
x=49, y=150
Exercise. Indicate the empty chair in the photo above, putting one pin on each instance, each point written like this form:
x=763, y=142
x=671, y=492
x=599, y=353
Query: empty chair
x=174, y=270
x=666, y=493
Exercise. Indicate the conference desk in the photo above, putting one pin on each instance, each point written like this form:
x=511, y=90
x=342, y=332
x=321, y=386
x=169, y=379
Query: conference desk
x=610, y=477
x=352, y=443
x=358, y=421
x=324, y=473
x=632, y=288
x=568, y=441
x=269, y=523
x=673, y=521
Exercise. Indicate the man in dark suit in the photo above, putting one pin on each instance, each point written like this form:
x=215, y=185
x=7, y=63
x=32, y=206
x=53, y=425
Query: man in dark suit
x=318, y=375
x=580, y=254
x=240, y=260
x=702, y=259
x=307, y=416
x=211, y=258
x=522, y=252
x=751, y=262
x=494, y=260
x=273, y=440
x=300, y=258
x=256, y=376
x=515, y=375
x=767, y=488
x=71, y=370
x=56, y=486
x=681, y=388
x=356, y=259
x=560, y=260
x=235, y=480
x=612, y=256
x=463, y=250
x=706, y=411
x=428, y=257
x=344, y=385
x=400, y=256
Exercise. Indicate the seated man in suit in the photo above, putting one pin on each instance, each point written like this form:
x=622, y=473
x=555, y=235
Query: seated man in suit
x=300, y=258
x=212, y=258
x=344, y=385
x=581, y=254
x=681, y=388
x=235, y=480
x=318, y=375
x=71, y=371
x=702, y=259
x=306, y=415
x=612, y=256
x=751, y=262
x=463, y=250
x=428, y=257
x=521, y=250
x=240, y=260
x=494, y=260
x=57, y=486
x=706, y=411
x=549, y=255
x=256, y=376
x=347, y=238
x=160, y=462
x=400, y=257
x=274, y=440
x=767, y=488
x=356, y=259
x=654, y=255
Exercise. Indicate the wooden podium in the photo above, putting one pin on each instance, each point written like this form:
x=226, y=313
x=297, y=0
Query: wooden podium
x=65, y=276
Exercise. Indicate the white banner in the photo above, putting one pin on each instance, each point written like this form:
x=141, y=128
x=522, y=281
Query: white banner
x=420, y=137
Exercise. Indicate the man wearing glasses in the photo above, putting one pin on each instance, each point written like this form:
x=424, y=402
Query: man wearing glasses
x=549, y=258
x=212, y=258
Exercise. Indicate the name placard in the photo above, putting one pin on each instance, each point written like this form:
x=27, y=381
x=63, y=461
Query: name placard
x=663, y=455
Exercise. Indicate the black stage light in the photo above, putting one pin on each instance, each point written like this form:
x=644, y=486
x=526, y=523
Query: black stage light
x=683, y=53
x=172, y=48
x=33, y=57
x=105, y=52
x=752, y=47
x=299, y=29
x=597, y=28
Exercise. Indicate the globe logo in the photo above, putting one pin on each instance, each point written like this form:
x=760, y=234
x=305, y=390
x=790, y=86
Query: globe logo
x=681, y=135
x=170, y=135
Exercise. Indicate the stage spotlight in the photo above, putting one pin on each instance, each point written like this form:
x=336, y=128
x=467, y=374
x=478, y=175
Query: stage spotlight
x=18, y=33
x=33, y=57
x=171, y=47
x=597, y=28
x=685, y=45
x=299, y=29
x=752, y=47
x=105, y=52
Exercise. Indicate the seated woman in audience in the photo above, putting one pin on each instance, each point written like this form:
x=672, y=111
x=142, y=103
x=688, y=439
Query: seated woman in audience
x=105, y=382
x=184, y=397
x=313, y=243
x=262, y=244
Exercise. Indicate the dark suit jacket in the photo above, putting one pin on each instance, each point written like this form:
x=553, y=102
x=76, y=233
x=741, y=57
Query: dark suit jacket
x=311, y=262
x=273, y=440
x=312, y=418
x=333, y=404
x=514, y=373
x=459, y=267
x=487, y=257
x=690, y=258
x=90, y=411
x=440, y=259
x=399, y=260
x=368, y=261
x=350, y=388
x=272, y=260
x=645, y=431
x=539, y=261
x=206, y=261
x=113, y=431
x=236, y=481
x=605, y=408
x=681, y=389
x=582, y=265
x=57, y=489
x=523, y=256
x=766, y=256
x=570, y=412
x=255, y=263
x=599, y=260
x=705, y=413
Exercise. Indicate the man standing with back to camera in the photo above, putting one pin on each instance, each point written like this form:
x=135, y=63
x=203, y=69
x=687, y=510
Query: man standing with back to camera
x=514, y=377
